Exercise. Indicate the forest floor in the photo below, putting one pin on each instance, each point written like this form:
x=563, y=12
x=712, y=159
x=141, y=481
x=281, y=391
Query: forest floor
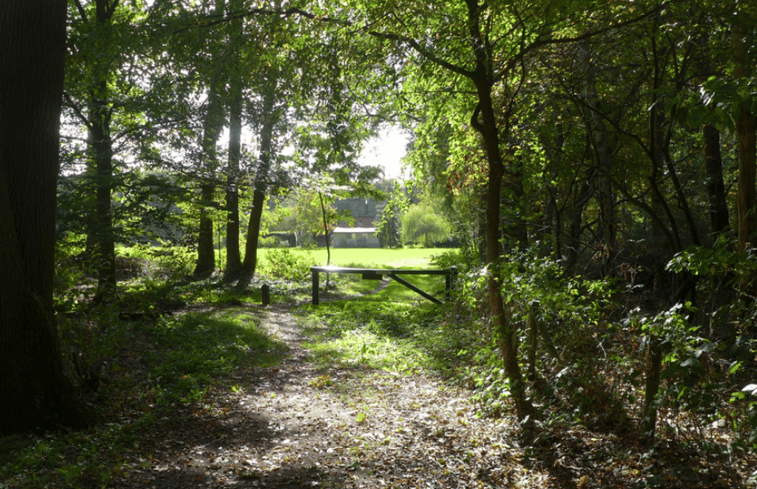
x=298, y=424
x=301, y=422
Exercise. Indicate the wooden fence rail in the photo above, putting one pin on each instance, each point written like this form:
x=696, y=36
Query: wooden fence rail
x=394, y=273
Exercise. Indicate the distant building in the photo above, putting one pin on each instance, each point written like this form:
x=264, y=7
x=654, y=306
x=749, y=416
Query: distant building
x=361, y=234
x=342, y=237
x=365, y=211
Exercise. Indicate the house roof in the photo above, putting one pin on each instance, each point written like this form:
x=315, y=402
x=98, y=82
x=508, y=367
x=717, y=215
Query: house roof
x=343, y=230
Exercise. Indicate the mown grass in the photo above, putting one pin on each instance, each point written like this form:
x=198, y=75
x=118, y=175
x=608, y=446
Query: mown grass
x=401, y=338
x=407, y=258
x=378, y=257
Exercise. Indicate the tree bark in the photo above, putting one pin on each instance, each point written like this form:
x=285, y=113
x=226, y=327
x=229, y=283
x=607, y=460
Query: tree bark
x=746, y=131
x=261, y=185
x=101, y=239
x=212, y=127
x=33, y=389
x=104, y=250
x=651, y=389
x=505, y=330
x=206, y=256
x=233, y=254
x=718, y=205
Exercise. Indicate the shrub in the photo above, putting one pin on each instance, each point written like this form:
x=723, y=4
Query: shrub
x=285, y=264
x=155, y=262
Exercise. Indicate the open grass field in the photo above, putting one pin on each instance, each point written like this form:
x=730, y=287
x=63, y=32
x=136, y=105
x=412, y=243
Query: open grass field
x=373, y=257
x=351, y=285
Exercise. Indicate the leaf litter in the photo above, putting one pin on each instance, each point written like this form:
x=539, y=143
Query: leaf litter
x=301, y=424
x=296, y=425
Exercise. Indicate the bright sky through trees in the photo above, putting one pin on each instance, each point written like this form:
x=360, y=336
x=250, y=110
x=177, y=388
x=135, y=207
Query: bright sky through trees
x=387, y=151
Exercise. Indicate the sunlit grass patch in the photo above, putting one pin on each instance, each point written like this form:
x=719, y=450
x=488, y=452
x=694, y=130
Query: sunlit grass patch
x=392, y=336
x=376, y=257
x=370, y=350
x=198, y=348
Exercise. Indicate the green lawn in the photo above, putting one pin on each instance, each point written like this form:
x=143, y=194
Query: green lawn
x=412, y=258
x=351, y=284
x=378, y=257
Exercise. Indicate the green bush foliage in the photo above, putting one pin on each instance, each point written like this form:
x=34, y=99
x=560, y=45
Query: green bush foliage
x=286, y=264
x=155, y=262
x=420, y=224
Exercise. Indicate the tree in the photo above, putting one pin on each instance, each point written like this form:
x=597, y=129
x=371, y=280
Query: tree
x=389, y=227
x=479, y=53
x=233, y=254
x=211, y=131
x=742, y=34
x=271, y=115
x=302, y=85
x=33, y=388
x=100, y=53
x=423, y=225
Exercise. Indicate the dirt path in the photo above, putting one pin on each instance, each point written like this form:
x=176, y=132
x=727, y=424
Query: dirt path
x=297, y=426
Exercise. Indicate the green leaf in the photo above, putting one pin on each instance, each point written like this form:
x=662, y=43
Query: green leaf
x=734, y=368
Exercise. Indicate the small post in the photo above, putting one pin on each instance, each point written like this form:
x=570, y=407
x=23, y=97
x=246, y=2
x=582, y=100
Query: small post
x=450, y=279
x=266, y=292
x=315, y=285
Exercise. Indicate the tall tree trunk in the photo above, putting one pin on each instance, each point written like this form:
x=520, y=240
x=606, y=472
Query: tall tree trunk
x=206, y=256
x=33, y=389
x=104, y=251
x=233, y=254
x=211, y=128
x=261, y=185
x=718, y=205
x=746, y=126
x=102, y=236
x=506, y=330
x=745, y=130
x=651, y=389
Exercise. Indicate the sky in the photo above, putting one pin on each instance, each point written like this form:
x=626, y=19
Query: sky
x=387, y=151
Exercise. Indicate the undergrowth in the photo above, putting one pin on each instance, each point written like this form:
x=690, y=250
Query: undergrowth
x=585, y=358
x=139, y=373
